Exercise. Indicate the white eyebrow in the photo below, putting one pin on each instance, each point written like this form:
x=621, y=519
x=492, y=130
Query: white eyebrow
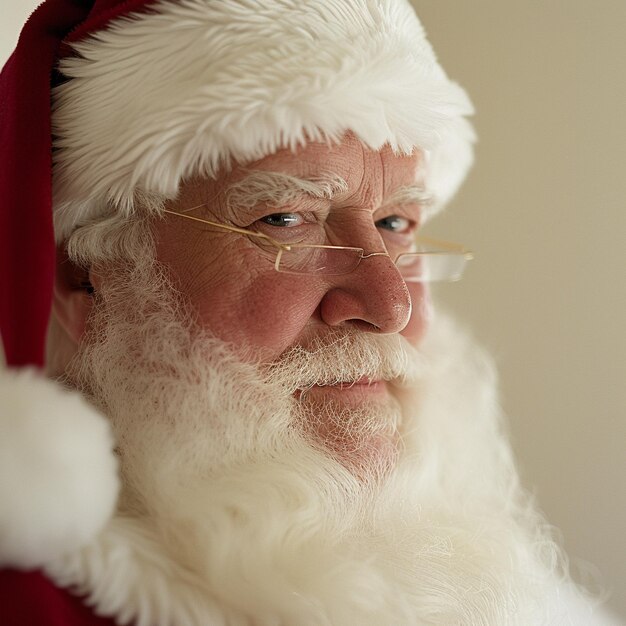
x=410, y=194
x=278, y=189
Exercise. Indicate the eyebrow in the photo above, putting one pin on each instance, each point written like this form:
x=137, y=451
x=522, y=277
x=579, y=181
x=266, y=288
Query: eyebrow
x=410, y=194
x=278, y=189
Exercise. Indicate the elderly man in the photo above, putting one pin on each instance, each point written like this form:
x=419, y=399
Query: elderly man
x=239, y=287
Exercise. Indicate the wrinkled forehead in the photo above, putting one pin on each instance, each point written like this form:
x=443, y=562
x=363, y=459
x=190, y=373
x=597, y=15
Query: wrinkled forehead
x=349, y=160
x=346, y=172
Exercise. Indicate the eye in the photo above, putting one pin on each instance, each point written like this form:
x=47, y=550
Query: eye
x=282, y=220
x=396, y=224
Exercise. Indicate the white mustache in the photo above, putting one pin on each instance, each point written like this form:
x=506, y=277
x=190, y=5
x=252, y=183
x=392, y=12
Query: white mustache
x=345, y=357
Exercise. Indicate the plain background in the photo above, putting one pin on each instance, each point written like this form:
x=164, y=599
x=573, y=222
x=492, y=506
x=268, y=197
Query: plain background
x=544, y=212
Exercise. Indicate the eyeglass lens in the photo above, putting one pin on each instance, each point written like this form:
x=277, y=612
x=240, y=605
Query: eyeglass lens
x=414, y=267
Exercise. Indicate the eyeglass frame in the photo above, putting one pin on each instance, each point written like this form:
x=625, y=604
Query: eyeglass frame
x=446, y=247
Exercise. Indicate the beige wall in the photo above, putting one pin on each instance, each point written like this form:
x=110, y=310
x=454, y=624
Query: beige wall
x=544, y=211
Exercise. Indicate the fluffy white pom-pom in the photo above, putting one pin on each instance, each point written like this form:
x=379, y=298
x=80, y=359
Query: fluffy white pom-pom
x=58, y=473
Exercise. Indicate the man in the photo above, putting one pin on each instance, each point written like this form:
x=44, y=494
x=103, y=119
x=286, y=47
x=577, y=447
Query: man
x=237, y=190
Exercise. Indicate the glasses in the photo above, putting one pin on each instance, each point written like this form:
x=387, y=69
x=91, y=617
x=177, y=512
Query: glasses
x=434, y=260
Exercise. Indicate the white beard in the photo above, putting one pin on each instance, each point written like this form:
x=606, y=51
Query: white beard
x=234, y=512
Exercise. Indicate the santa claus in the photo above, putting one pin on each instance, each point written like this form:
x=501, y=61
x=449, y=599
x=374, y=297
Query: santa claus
x=251, y=412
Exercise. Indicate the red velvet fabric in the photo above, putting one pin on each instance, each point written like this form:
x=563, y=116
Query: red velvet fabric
x=31, y=599
x=27, y=249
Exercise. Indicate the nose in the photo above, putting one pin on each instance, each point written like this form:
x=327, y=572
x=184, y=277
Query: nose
x=373, y=297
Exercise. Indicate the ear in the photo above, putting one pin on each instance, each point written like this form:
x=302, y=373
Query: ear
x=73, y=296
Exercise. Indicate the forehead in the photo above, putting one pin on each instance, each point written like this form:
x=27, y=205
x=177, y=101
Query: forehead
x=371, y=176
x=381, y=170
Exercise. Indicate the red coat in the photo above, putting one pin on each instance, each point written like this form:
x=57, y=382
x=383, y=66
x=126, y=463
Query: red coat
x=31, y=599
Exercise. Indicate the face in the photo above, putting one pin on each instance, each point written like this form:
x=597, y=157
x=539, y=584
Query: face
x=239, y=296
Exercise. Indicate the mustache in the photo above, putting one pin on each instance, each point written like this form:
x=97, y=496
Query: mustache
x=347, y=356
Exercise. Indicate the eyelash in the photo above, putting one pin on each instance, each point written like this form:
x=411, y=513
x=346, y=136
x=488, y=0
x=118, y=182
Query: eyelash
x=267, y=219
x=408, y=227
x=298, y=217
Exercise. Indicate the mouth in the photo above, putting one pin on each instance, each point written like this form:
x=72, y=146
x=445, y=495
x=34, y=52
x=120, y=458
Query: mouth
x=361, y=388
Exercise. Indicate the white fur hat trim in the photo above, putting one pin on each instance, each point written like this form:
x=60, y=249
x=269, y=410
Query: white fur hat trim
x=58, y=474
x=190, y=85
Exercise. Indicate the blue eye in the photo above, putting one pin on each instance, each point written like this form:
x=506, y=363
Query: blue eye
x=395, y=224
x=282, y=220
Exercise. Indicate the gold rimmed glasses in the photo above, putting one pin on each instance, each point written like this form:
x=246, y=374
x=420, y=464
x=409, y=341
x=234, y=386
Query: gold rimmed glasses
x=433, y=260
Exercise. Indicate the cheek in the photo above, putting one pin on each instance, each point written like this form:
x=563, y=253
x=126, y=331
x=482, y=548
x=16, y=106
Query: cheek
x=262, y=314
x=239, y=299
x=421, y=312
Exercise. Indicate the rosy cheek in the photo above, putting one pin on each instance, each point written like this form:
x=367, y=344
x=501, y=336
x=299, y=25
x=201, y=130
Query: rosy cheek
x=268, y=315
x=421, y=312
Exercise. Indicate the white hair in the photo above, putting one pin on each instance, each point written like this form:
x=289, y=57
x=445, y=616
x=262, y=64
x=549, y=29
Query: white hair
x=111, y=239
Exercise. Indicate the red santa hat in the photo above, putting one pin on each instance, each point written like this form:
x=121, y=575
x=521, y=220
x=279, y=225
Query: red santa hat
x=105, y=102
x=146, y=93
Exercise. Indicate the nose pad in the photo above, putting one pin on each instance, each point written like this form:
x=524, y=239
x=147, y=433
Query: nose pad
x=374, y=297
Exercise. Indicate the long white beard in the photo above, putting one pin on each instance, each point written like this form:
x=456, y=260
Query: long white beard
x=274, y=524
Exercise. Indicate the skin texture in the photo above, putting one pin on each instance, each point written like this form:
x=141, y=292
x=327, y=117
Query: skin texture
x=240, y=297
